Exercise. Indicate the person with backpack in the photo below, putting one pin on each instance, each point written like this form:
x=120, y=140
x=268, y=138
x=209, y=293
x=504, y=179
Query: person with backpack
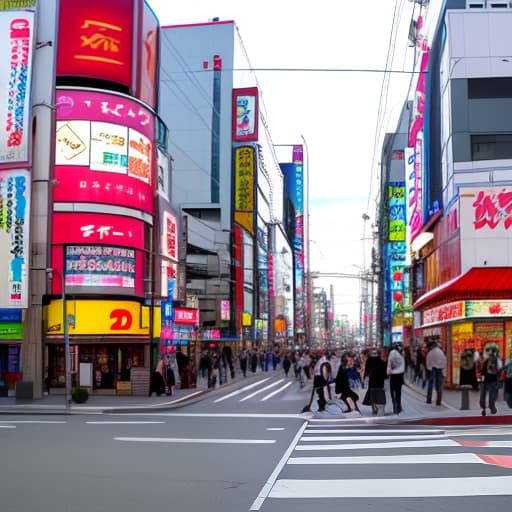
x=321, y=378
x=490, y=369
x=342, y=383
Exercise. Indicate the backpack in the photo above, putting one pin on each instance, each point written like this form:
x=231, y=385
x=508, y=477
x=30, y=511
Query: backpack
x=491, y=365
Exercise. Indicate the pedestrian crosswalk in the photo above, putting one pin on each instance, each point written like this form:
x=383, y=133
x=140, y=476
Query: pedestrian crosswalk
x=329, y=462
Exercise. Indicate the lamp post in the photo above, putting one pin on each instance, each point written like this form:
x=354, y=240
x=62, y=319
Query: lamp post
x=67, y=355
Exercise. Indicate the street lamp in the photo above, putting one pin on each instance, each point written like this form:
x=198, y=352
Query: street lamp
x=67, y=356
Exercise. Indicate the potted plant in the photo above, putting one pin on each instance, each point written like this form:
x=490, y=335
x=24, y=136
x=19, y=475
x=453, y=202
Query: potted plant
x=79, y=395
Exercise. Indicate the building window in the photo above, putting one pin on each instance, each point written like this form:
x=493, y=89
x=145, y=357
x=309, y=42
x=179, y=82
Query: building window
x=491, y=147
x=480, y=88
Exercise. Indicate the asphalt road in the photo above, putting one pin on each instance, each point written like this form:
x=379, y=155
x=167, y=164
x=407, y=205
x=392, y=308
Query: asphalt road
x=245, y=450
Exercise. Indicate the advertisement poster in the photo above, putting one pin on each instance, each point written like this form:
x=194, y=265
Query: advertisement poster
x=14, y=238
x=16, y=42
x=462, y=341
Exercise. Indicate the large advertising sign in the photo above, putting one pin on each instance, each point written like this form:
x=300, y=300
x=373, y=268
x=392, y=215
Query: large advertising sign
x=16, y=42
x=245, y=114
x=14, y=238
x=89, y=267
x=97, y=228
x=485, y=225
x=294, y=175
x=245, y=166
x=103, y=150
x=92, y=317
x=96, y=39
x=169, y=241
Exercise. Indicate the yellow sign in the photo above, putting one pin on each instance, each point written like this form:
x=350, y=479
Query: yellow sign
x=100, y=317
x=10, y=5
x=244, y=187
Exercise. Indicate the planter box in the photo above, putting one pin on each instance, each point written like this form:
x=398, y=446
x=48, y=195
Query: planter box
x=124, y=388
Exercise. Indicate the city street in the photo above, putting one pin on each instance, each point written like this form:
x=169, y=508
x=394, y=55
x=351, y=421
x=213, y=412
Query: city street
x=247, y=447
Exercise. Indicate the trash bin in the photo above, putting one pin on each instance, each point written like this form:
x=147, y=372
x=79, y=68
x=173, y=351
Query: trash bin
x=24, y=390
x=464, y=401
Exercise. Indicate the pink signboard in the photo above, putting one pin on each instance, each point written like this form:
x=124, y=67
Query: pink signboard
x=186, y=316
x=97, y=228
x=79, y=184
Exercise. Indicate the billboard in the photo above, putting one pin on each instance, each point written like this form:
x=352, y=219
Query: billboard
x=17, y=41
x=14, y=238
x=245, y=167
x=97, y=228
x=245, y=114
x=96, y=40
x=89, y=268
x=103, y=150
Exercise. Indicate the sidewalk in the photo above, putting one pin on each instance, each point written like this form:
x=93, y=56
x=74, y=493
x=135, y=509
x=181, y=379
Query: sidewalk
x=101, y=404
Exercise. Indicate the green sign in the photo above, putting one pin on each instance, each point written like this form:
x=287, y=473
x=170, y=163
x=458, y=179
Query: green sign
x=13, y=331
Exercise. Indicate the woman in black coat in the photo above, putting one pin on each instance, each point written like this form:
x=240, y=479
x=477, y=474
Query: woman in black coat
x=376, y=371
x=342, y=386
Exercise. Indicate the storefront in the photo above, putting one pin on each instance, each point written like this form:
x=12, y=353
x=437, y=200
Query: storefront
x=467, y=329
x=110, y=346
x=11, y=336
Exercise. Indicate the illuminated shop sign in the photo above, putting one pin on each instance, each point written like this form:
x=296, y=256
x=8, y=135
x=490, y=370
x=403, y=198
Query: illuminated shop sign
x=148, y=68
x=94, y=228
x=488, y=308
x=225, y=309
x=103, y=150
x=169, y=236
x=244, y=187
x=186, y=316
x=14, y=238
x=16, y=41
x=100, y=317
x=245, y=114
x=96, y=39
x=443, y=313
x=99, y=266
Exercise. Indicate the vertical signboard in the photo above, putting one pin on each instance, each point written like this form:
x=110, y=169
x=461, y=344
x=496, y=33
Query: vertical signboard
x=245, y=114
x=244, y=187
x=14, y=238
x=16, y=43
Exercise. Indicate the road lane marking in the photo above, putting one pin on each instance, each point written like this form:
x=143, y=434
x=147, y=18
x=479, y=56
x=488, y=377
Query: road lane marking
x=393, y=488
x=438, y=458
x=124, y=422
x=258, y=502
x=369, y=431
x=275, y=428
x=242, y=390
x=486, y=444
x=194, y=440
x=377, y=446
x=7, y=426
x=276, y=392
x=261, y=390
x=33, y=421
x=367, y=438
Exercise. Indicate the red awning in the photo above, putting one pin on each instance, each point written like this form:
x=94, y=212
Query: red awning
x=477, y=283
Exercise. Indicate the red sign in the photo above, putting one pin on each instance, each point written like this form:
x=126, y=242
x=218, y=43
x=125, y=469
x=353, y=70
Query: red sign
x=186, y=316
x=97, y=228
x=96, y=39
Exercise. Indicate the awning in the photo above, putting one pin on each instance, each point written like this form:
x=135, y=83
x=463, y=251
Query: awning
x=477, y=283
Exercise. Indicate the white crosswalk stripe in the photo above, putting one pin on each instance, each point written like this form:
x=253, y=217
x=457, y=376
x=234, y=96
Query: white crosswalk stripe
x=396, y=463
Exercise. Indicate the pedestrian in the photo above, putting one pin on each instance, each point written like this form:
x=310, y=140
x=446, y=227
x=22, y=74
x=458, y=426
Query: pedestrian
x=321, y=378
x=342, y=384
x=396, y=371
x=286, y=364
x=435, y=363
x=157, y=383
x=243, y=362
x=507, y=390
x=490, y=368
x=375, y=371
x=170, y=379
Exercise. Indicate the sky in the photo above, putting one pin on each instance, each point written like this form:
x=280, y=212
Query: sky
x=340, y=102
